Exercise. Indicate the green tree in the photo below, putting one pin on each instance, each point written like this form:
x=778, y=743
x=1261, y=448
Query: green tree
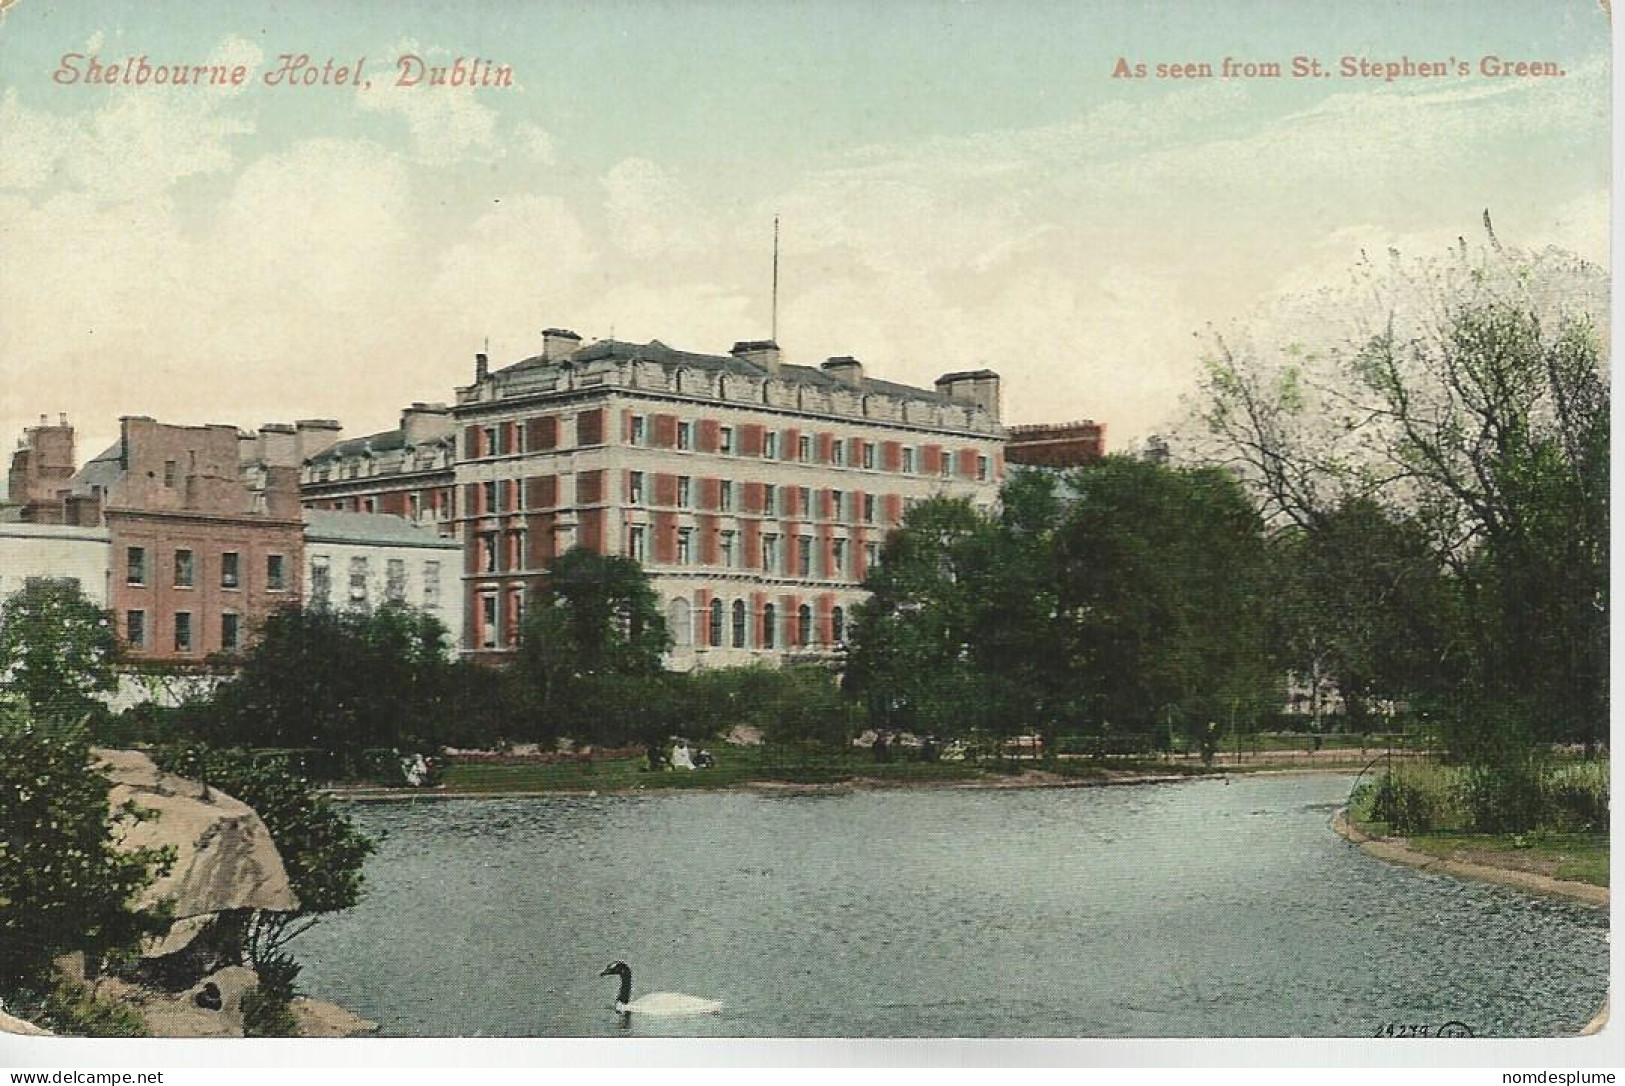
x=1468, y=396
x=64, y=885
x=341, y=682
x=1160, y=584
x=57, y=651
x=595, y=627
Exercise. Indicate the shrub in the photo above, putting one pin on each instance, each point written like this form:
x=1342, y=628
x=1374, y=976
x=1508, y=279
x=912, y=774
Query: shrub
x=73, y=1010
x=267, y=1008
x=1504, y=796
x=1577, y=796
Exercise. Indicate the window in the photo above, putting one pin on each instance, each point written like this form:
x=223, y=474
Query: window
x=395, y=580
x=230, y=576
x=135, y=565
x=685, y=435
x=868, y=509
x=370, y=505
x=871, y=555
x=725, y=495
x=488, y=621
x=770, y=553
x=685, y=546
x=739, y=624
x=276, y=573
x=488, y=552
x=768, y=618
x=725, y=440
x=183, y=631
x=715, y=640
x=729, y=555
x=804, y=448
x=770, y=445
x=770, y=498
x=837, y=625
x=489, y=445
x=837, y=557
x=635, y=545
x=804, y=625
x=804, y=556
x=837, y=452
x=680, y=623
x=634, y=488
x=640, y=430
x=169, y=473
x=946, y=462
x=183, y=569
x=358, y=583
x=685, y=491
x=488, y=497
x=135, y=628
x=414, y=505
x=229, y=635
x=837, y=505
x=981, y=468
x=431, y=586
x=908, y=461
x=804, y=501
x=868, y=454
x=321, y=581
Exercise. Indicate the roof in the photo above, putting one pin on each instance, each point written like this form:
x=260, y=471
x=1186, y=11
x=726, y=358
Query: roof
x=102, y=471
x=615, y=350
x=376, y=529
x=387, y=441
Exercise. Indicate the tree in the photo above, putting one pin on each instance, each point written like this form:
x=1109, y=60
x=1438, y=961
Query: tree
x=1467, y=395
x=912, y=647
x=65, y=886
x=57, y=651
x=596, y=625
x=341, y=682
x=1160, y=582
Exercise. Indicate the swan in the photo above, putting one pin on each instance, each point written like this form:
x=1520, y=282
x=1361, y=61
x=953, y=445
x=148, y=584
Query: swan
x=656, y=1004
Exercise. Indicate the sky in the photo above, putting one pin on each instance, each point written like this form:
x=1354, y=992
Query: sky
x=959, y=185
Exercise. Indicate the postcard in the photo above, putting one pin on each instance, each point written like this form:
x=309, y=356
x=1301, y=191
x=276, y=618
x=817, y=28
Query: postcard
x=1068, y=523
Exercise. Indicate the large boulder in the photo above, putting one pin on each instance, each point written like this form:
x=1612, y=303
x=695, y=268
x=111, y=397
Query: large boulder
x=225, y=860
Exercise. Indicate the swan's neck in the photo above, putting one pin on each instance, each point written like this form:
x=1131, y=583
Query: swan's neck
x=626, y=988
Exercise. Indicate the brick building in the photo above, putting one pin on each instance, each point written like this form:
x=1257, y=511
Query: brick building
x=755, y=493
x=406, y=472
x=1057, y=445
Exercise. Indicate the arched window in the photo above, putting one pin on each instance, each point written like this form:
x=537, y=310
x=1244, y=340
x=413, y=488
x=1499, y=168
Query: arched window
x=768, y=619
x=804, y=625
x=716, y=624
x=837, y=625
x=739, y=624
x=682, y=625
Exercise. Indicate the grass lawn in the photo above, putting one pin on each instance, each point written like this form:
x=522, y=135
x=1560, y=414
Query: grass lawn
x=1580, y=856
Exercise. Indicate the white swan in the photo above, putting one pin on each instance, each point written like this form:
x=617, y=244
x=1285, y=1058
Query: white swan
x=656, y=1004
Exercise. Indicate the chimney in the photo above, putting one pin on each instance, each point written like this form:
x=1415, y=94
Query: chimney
x=316, y=436
x=559, y=344
x=845, y=369
x=759, y=352
x=482, y=366
x=974, y=388
x=279, y=445
x=425, y=422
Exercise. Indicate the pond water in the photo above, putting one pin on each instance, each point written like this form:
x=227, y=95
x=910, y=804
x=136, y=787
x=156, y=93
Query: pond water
x=1193, y=909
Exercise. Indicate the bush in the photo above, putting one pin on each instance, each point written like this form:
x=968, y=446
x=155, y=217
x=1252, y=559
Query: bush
x=267, y=1008
x=1504, y=796
x=72, y=1010
x=1577, y=796
x=63, y=885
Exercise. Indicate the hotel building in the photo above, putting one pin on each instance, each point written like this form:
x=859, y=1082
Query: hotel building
x=755, y=493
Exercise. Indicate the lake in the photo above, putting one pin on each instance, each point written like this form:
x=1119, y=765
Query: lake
x=1192, y=909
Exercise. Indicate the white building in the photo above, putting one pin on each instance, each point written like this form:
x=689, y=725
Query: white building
x=55, y=551
x=360, y=561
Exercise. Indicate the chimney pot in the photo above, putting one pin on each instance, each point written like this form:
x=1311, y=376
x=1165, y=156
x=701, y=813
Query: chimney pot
x=482, y=366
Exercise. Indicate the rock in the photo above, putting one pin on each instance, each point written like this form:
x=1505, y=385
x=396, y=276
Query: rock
x=225, y=859
x=320, y=1019
x=8, y=1024
x=176, y=1014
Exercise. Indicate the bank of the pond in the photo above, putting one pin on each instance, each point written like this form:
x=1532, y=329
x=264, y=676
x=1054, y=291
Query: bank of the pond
x=1401, y=850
